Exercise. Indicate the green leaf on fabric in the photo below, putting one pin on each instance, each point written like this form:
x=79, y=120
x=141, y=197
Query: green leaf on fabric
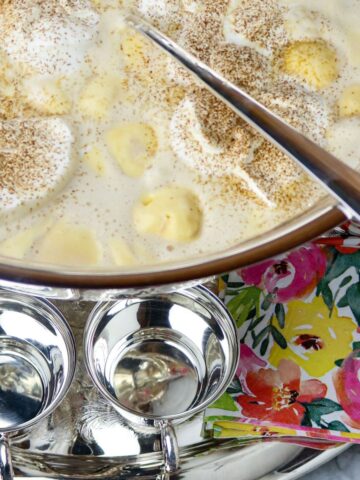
x=320, y=287
x=267, y=302
x=306, y=420
x=327, y=405
x=327, y=296
x=225, y=402
x=338, y=426
x=353, y=297
x=339, y=362
x=356, y=346
x=345, y=281
x=251, y=314
x=337, y=267
x=341, y=263
x=225, y=278
x=343, y=302
x=234, y=284
x=280, y=314
x=260, y=336
x=240, y=306
x=234, y=387
x=323, y=406
x=278, y=337
x=257, y=322
x=314, y=415
x=264, y=346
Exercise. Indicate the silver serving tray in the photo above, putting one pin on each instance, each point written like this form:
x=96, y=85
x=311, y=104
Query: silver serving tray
x=86, y=439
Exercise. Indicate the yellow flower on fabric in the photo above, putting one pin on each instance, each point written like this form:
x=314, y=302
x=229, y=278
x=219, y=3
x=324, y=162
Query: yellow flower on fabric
x=315, y=340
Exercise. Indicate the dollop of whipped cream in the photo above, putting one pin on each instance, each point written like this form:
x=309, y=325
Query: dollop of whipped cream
x=49, y=36
x=210, y=160
x=35, y=161
x=248, y=23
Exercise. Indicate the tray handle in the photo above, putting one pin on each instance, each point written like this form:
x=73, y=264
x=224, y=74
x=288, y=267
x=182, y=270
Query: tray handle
x=170, y=451
x=6, y=469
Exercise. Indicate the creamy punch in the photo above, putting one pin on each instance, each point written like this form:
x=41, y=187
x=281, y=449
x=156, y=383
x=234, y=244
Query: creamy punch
x=112, y=155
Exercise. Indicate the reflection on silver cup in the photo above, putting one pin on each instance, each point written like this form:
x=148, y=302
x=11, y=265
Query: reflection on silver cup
x=37, y=363
x=161, y=359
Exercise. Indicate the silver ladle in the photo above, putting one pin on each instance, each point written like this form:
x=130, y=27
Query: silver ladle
x=341, y=181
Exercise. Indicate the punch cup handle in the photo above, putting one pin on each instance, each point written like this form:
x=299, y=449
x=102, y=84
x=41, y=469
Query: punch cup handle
x=170, y=451
x=6, y=469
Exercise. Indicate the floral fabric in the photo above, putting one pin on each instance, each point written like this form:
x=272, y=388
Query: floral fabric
x=298, y=318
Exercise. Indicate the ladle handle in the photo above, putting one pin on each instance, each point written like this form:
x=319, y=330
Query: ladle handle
x=340, y=180
x=6, y=469
x=170, y=450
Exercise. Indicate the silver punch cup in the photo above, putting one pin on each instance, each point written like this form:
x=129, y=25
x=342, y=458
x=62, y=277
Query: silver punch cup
x=37, y=363
x=162, y=358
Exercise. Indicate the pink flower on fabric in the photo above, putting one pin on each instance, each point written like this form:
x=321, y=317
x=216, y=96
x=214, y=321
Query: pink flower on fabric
x=292, y=276
x=347, y=386
x=248, y=362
